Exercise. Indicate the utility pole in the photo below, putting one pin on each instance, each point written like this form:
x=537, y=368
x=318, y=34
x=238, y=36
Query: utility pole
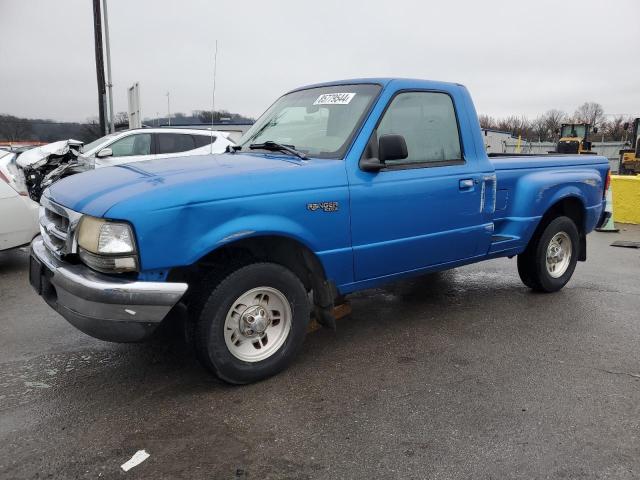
x=97, y=33
x=168, y=109
x=213, y=93
x=109, y=83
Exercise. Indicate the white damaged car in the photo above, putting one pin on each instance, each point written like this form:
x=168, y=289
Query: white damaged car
x=18, y=212
x=23, y=177
x=41, y=166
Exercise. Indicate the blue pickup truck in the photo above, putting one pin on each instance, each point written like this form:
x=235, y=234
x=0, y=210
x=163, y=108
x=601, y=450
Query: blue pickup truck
x=338, y=187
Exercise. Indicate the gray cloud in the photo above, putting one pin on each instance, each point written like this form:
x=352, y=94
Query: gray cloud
x=515, y=57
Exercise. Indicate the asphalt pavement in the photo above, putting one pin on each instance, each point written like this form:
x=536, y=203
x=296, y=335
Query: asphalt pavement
x=464, y=374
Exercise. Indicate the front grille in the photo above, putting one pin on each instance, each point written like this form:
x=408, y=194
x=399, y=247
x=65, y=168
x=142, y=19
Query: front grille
x=57, y=226
x=568, y=146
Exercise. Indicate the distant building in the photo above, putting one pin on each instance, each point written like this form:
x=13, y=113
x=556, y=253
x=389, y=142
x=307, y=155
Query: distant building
x=495, y=141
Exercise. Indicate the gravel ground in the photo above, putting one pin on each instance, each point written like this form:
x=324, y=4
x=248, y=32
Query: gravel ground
x=463, y=374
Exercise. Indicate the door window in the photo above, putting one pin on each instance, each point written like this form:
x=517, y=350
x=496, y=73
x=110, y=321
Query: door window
x=202, y=140
x=175, y=142
x=427, y=121
x=138, y=144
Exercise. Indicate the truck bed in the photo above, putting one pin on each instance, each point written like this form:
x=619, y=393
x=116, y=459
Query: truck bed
x=527, y=185
x=525, y=160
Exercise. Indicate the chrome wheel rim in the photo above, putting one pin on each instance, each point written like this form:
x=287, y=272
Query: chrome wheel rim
x=559, y=253
x=257, y=324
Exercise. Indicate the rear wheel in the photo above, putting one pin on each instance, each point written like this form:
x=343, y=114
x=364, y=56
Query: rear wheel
x=550, y=258
x=250, y=325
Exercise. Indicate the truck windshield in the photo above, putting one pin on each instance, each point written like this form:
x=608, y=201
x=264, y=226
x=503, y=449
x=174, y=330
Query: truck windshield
x=319, y=122
x=573, y=131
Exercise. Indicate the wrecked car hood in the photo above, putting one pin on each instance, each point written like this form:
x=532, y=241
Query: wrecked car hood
x=41, y=166
x=38, y=156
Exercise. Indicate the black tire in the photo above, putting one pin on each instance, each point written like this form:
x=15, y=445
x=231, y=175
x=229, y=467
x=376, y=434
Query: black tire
x=532, y=265
x=212, y=303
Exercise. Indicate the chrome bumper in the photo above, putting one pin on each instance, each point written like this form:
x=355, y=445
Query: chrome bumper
x=105, y=307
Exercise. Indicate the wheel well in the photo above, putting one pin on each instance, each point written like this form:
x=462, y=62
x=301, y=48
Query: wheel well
x=573, y=208
x=284, y=251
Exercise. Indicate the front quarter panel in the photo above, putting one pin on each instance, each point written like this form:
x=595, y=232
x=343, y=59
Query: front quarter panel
x=245, y=207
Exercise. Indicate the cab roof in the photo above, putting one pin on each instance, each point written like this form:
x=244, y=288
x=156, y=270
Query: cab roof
x=384, y=82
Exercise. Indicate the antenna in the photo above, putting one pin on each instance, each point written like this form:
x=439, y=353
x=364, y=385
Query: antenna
x=213, y=93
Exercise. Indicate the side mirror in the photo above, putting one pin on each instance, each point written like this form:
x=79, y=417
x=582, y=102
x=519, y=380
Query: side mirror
x=392, y=147
x=595, y=129
x=105, y=152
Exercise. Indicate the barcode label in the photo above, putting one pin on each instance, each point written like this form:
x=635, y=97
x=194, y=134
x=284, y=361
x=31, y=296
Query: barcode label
x=334, y=99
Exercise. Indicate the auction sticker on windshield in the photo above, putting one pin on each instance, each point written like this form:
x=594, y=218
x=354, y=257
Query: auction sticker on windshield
x=334, y=99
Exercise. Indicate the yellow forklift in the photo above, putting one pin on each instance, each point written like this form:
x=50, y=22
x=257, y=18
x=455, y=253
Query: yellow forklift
x=574, y=138
x=630, y=157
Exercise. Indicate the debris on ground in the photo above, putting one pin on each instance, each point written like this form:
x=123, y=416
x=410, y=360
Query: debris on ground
x=625, y=244
x=138, y=457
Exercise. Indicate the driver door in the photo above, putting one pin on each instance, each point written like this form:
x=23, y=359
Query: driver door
x=423, y=210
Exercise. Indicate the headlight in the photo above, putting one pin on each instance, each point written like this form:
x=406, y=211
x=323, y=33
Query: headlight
x=107, y=246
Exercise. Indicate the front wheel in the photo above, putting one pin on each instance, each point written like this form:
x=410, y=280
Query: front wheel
x=550, y=258
x=250, y=325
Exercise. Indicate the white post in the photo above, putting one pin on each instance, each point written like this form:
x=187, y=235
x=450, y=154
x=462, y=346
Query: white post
x=168, y=109
x=109, y=83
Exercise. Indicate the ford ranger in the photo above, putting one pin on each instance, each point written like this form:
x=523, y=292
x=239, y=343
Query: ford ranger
x=338, y=187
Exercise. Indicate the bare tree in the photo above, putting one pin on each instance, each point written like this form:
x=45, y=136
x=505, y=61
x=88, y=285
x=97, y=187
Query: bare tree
x=486, y=121
x=590, y=112
x=539, y=129
x=91, y=129
x=15, y=129
x=553, y=121
x=516, y=125
x=205, y=115
x=613, y=129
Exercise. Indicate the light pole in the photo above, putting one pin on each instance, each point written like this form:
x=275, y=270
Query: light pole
x=108, y=50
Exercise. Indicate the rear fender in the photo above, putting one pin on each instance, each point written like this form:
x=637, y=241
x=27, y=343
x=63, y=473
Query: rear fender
x=537, y=192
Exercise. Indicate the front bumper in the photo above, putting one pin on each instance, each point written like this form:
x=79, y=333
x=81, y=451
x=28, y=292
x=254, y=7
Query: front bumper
x=105, y=307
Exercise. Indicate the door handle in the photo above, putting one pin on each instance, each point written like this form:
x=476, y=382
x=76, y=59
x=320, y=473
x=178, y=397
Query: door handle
x=466, y=184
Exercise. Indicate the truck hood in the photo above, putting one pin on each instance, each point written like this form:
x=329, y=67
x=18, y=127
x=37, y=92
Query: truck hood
x=176, y=182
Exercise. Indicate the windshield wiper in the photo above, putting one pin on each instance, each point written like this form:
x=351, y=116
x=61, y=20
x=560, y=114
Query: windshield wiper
x=278, y=147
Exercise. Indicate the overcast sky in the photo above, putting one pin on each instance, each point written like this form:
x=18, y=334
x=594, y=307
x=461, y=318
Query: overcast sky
x=515, y=57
